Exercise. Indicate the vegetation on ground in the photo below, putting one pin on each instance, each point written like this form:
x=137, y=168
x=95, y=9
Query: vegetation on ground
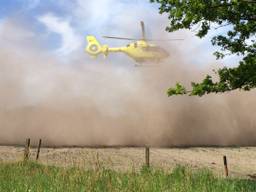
x=31, y=176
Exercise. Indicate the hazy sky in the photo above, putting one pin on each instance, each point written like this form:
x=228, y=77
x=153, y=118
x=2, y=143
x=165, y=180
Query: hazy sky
x=61, y=26
x=50, y=88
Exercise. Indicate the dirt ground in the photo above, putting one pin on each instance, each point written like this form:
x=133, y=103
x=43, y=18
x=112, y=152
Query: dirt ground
x=241, y=161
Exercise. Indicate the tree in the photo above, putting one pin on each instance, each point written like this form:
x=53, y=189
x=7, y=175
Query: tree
x=239, y=16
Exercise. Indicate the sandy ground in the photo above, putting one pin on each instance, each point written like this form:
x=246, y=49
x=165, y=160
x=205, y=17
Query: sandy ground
x=241, y=161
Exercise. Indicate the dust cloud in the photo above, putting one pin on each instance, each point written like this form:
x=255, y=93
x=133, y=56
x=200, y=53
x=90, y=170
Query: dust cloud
x=84, y=102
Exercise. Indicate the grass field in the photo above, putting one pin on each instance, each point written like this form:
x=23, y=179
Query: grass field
x=31, y=176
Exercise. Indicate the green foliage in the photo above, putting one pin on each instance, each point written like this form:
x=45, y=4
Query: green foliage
x=240, y=39
x=20, y=177
x=178, y=90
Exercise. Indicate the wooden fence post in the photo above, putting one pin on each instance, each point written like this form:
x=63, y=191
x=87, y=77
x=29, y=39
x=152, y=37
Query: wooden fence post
x=38, y=149
x=147, y=156
x=225, y=165
x=27, y=150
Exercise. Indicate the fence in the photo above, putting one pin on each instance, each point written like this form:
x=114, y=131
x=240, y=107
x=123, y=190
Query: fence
x=27, y=155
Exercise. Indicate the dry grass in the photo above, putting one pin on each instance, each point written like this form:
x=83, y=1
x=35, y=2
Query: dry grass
x=241, y=161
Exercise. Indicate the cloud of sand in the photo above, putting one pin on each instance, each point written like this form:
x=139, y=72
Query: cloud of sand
x=84, y=102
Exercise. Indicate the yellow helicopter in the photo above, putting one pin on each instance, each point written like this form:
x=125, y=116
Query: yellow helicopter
x=140, y=50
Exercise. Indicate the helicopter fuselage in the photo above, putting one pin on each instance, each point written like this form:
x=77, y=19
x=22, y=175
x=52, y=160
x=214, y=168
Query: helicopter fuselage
x=140, y=51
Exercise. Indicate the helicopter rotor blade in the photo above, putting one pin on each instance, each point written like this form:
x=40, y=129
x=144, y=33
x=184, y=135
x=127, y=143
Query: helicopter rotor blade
x=143, y=30
x=136, y=39
x=121, y=38
x=164, y=39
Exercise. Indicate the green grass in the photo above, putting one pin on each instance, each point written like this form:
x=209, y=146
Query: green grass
x=32, y=177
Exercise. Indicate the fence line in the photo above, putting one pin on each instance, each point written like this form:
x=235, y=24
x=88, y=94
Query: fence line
x=147, y=153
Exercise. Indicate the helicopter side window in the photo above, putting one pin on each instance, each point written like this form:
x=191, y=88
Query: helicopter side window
x=135, y=45
x=128, y=45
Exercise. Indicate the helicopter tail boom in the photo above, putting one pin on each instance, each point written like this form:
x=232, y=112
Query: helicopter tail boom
x=94, y=48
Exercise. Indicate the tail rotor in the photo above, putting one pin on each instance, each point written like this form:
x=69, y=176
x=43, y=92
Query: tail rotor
x=93, y=47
